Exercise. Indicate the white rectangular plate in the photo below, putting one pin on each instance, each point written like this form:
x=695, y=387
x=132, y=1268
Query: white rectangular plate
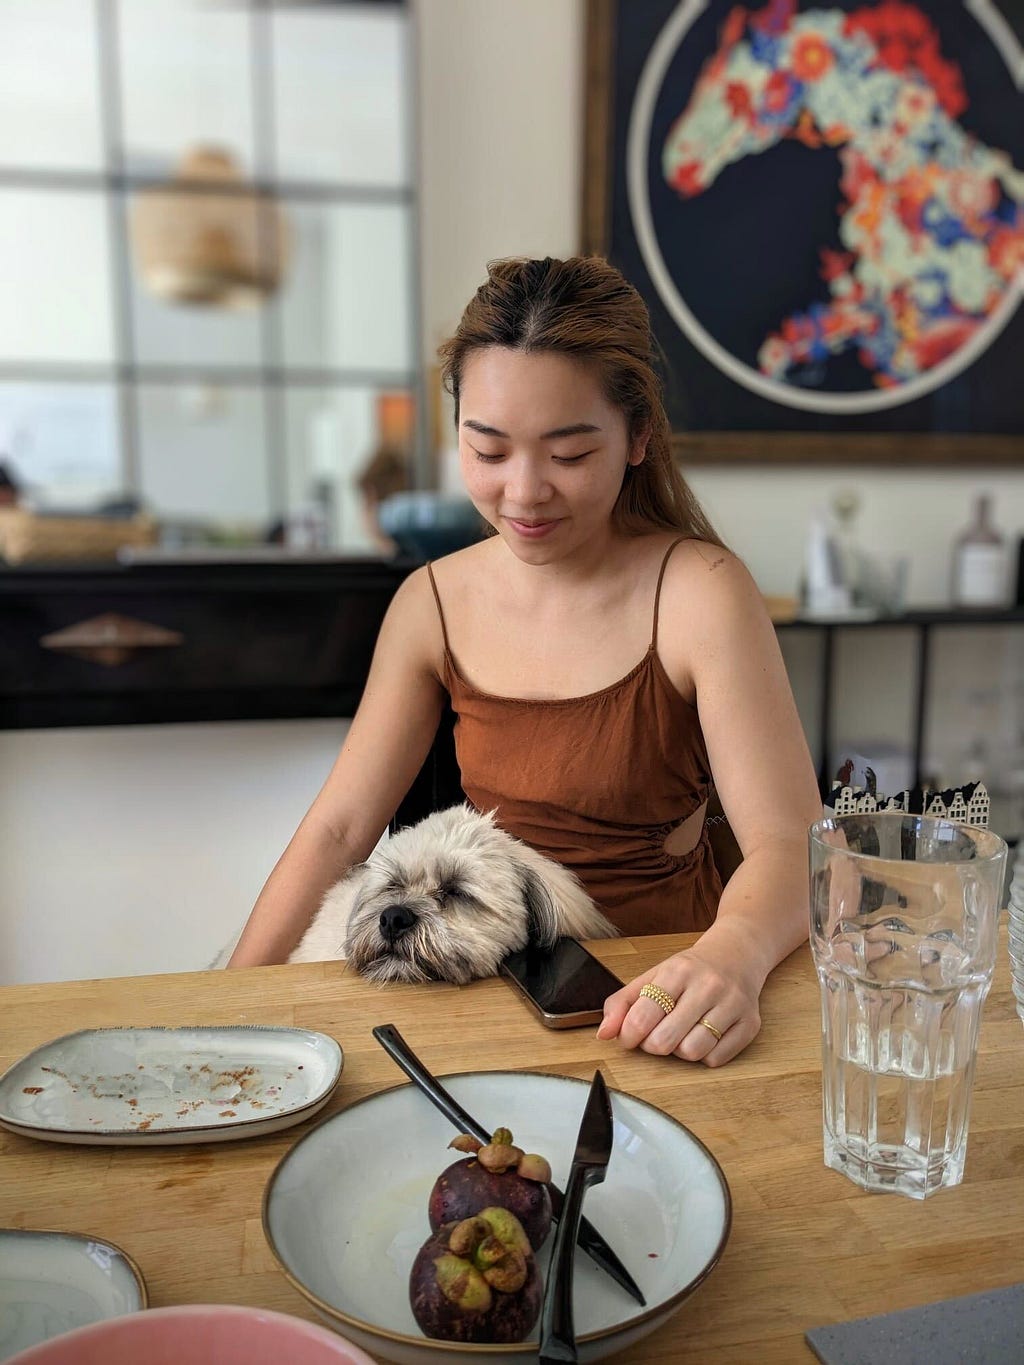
x=148, y=1086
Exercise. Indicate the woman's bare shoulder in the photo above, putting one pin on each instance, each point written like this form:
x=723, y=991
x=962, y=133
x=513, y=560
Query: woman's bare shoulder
x=711, y=584
x=696, y=562
x=447, y=572
x=461, y=564
x=412, y=626
x=433, y=594
x=459, y=576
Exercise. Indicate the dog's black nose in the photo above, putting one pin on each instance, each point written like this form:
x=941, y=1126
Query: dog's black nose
x=395, y=920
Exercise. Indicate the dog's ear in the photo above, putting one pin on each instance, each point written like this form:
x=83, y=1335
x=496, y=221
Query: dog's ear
x=542, y=918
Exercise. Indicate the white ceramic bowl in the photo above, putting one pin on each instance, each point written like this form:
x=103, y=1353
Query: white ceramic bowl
x=345, y=1211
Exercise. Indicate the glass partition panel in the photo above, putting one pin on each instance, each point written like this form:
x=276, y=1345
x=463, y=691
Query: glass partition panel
x=333, y=438
x=58, y=304
x=50, y=89
x=60, y=442
x=203, y=456
x=207, y=372
x=347, y=302
x=341, y=86
x=186, y=81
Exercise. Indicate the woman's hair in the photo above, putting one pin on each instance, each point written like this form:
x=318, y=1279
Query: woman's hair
x=585, y=309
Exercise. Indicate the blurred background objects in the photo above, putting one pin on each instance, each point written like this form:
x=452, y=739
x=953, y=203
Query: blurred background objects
x=213, y=211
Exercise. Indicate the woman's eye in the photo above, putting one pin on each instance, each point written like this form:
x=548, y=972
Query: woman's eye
x=571, y=459
x=485, y=457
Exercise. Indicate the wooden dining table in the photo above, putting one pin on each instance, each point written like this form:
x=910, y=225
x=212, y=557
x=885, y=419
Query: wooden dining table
x=807, y=1247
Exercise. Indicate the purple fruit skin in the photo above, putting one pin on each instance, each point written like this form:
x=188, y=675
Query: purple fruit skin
x=510, y=1317
x=465, y=1188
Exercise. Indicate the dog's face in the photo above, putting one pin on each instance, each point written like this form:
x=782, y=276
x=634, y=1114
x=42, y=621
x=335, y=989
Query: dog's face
x=446, y=900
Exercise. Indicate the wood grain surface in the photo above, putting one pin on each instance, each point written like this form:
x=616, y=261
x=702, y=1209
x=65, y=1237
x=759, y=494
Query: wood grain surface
x=807, y=1247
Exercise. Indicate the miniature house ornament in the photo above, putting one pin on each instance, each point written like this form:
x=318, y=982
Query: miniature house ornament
x=967, y=805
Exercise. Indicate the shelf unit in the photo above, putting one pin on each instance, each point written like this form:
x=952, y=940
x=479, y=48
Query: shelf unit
x=923, y=623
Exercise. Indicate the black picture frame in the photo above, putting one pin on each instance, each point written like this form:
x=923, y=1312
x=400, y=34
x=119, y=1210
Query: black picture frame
x=974, y=420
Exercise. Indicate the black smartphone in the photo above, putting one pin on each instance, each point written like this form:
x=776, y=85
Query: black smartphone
x=565, y=985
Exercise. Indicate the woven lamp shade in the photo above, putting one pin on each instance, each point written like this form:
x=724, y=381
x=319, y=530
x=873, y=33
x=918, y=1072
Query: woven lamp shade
x=221, y=249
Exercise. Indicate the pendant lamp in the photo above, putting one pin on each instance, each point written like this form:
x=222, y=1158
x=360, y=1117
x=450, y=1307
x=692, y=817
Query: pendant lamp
x=224, y=246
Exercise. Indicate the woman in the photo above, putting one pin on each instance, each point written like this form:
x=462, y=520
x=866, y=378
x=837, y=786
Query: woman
x=610, y=663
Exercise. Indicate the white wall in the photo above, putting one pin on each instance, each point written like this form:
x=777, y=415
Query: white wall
x=501, y=109
x=500, y=90
x=137, y=849
x=763, y=515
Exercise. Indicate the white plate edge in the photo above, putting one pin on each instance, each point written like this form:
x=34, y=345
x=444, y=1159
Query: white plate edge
x=130, y=1262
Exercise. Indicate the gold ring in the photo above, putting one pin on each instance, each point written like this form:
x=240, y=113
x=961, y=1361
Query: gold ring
x=660, y=997
x=711, y=1028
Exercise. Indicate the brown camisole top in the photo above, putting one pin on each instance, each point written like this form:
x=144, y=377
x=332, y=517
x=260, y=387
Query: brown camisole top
x=597, y=783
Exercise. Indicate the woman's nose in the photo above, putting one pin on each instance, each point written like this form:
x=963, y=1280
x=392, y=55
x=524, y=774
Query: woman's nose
x=526, y=483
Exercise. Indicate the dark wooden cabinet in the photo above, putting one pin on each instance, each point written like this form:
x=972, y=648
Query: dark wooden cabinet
x=146, y=643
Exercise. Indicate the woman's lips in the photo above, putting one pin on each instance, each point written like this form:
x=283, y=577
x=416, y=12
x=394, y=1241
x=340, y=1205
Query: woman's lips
x=532, y=530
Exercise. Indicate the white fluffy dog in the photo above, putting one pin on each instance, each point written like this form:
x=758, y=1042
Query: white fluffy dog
x=446, y=900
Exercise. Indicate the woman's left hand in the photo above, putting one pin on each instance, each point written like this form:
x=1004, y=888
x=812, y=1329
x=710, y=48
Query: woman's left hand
x=714, y=1017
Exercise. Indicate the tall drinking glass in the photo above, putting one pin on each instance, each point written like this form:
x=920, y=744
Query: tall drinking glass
x=904, y=920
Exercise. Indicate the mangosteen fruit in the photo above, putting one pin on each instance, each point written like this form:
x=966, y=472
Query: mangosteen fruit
x=477, y=1280
x=497, y=1174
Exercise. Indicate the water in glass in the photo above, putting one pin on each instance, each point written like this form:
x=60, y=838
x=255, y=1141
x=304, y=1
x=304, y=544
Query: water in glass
x=904, y=923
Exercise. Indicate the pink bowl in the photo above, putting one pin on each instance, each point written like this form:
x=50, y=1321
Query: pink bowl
x=216, y=1334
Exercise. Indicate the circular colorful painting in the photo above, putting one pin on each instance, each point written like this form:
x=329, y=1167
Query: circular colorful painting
x=828, y=198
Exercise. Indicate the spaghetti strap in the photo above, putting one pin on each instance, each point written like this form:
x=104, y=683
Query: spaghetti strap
x=440, y=610
x=657, y=592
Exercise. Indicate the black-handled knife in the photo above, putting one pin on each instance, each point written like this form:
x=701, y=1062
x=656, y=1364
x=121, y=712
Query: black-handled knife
x=589, y=1163
x=589, y=1238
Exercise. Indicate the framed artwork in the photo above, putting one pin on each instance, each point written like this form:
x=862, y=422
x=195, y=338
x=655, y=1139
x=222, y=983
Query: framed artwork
x=822, y=203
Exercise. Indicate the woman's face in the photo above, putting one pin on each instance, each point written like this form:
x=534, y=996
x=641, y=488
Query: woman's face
x=543, y=452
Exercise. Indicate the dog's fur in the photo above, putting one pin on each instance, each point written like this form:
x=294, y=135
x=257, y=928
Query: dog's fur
x=446, y=900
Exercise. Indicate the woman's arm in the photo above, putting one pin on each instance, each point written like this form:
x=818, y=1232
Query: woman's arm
x=386, y=745
x=765, y=781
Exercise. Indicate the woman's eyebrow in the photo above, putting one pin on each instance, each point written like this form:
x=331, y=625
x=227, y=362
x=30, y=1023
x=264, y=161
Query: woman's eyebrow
x=483, y=428
x=576, y=429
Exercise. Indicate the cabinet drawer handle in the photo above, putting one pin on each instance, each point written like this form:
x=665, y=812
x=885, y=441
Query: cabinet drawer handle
x=110, y=639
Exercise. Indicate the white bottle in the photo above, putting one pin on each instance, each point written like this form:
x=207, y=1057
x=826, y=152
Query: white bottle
x=980, y=562
x=825, y=593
